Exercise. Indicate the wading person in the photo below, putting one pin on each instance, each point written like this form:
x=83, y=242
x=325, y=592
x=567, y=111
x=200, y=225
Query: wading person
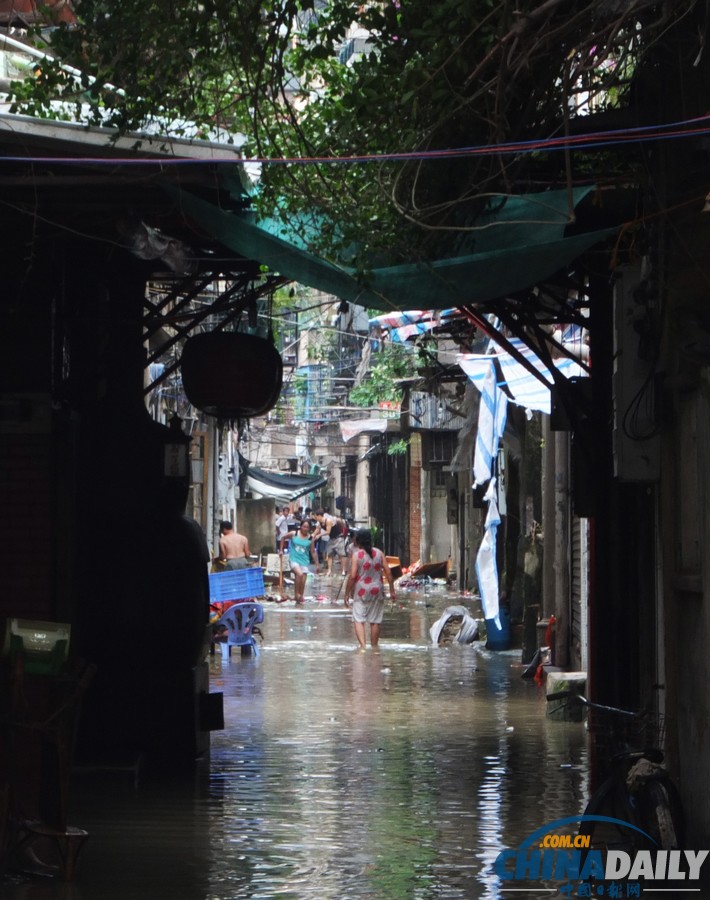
x=281, y=524
x=365, y=589
x=325, y=523
x=233, y=547
x=301, y=555
x=337, y=546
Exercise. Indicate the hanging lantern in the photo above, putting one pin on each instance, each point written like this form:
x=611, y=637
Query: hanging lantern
x=231, y=375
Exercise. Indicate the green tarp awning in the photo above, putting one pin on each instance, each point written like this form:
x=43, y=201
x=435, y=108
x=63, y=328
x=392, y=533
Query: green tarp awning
x=518, y=246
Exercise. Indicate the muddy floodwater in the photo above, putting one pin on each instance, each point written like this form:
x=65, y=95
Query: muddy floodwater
x=391, y=774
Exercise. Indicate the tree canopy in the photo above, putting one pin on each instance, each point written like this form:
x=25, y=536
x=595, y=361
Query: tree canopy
x=379, y=385
x=387, y=153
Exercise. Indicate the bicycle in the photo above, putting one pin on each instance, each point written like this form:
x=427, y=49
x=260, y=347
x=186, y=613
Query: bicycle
x=639, y=804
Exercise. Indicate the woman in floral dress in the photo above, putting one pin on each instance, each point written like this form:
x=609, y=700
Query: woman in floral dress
x=365, y=588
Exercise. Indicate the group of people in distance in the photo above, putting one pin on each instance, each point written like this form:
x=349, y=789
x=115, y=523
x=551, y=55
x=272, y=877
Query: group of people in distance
x=321, y=535
x=366, y=566
x=327, y=533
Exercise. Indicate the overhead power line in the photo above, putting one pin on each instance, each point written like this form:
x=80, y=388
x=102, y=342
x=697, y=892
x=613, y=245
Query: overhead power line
x=594, y=140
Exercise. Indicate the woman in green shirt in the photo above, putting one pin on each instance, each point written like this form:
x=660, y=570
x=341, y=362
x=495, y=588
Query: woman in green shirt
x=301, y=555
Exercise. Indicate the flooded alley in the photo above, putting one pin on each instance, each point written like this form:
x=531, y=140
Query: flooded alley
x=387, y=774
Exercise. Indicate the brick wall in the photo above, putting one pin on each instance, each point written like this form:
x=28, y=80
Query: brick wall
x=415, y=503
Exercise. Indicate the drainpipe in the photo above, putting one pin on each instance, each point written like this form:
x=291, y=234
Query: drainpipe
x=361, y=510
x=548, y=520
x=212, y=509
x=562, y=581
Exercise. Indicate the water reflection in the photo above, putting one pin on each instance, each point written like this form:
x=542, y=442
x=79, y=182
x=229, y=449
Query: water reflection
x=398, y=773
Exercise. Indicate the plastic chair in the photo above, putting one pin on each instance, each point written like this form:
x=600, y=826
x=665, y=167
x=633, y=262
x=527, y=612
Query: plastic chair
x=239, y=620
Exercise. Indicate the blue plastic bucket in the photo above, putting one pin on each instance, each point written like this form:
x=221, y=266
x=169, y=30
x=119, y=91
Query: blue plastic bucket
x=498, y=638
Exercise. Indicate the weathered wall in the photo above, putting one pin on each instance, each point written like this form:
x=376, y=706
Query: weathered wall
x=95, y=525
x=256, y=519
x=31, y=509
x=686, y=536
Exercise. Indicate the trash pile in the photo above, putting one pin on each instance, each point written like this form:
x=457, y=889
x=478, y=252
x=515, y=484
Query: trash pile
x=421, y=575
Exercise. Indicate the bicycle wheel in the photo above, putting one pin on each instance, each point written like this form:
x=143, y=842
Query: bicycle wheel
x=610, y=819
x=662, y=813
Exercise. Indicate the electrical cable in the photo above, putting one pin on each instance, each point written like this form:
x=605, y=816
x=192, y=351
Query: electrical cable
x=692, y=127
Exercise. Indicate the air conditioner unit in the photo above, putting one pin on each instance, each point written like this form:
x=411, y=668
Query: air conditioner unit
x=43, y=646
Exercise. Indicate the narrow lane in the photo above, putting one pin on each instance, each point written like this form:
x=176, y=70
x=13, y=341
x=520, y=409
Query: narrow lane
x=397, y=773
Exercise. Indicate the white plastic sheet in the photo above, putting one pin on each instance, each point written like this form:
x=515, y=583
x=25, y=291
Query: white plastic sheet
x=469, y=627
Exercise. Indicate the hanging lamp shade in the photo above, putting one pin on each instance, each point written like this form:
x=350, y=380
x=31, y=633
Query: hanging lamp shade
x=231, y=375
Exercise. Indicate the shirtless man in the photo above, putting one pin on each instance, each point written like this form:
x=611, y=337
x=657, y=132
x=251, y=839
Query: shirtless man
x=233, y=547
x=333, y=533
